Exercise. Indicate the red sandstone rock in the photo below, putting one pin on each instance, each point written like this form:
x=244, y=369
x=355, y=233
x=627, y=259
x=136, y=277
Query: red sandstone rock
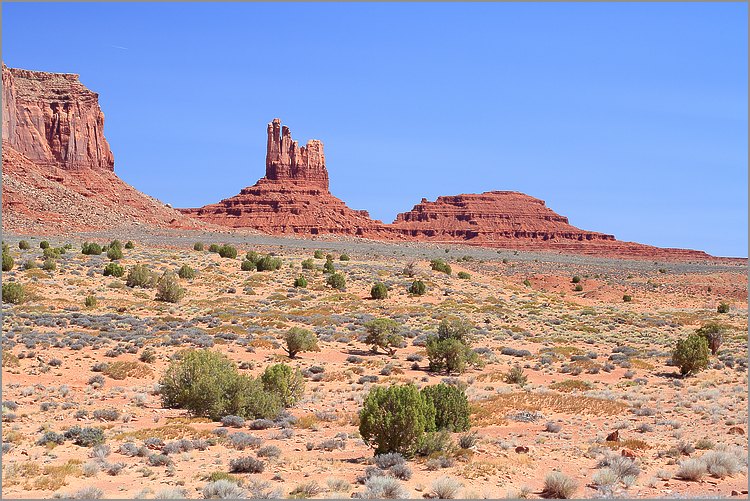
x=292, y=198
x=58, y=171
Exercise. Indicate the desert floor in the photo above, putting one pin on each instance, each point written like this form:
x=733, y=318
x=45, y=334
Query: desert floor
x=595, y=364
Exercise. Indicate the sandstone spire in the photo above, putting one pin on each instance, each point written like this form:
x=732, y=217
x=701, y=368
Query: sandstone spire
x=286, y=160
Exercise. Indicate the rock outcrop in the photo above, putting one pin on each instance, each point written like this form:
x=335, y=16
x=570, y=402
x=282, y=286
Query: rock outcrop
x=292, y=198
x=58, y=170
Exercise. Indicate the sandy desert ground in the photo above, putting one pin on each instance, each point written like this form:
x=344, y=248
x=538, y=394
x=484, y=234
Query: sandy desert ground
x=594, y=364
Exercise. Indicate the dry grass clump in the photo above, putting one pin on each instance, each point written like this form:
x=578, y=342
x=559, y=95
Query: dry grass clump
x=487, y=412
x=557, y=485
x=123, y=369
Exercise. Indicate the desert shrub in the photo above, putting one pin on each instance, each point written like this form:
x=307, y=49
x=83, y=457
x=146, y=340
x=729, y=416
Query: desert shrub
x=527, y=283
x=417, y=288
x=7, y=259
x=186, y=272
x=451, y=407
x=24, y=245
x=233, y=421
x=30, y=264
x=284, y=381
x=51, y=437
x=318, y=254
x=53, y=253
x=337, y=281
x=300, y=281
x=379, y=291
x=449, y=354
x=168, y=288
x=383, y=487
x=385, y=461
x=114, y=253
x=242, y=441
x=298, y=340
x=515, y=376
x=344, y=257
x=214, y=248
x=44, y=244
x=268, y=263
x=129, y=244
x=446, y=488
x=691, y=469
x=90, y=301
x=463, y=275
x=467, y=440
x=147, y=356
x=576, y=279
x=400, y=471
x=328, y=266
x=227, y=251
x=308, y=264
x=691, y=354
x=159, y=460
x=627, y=298
x=89, y=492
x=578, y=288
x=721, y=464
x=714, y=334
x=106, y=414
x=91, y=249
x=383, y=333
x=247, y=265
x=85, y=437
x=269, y=451
x=139, y=275
x=223, y=489
x=723, y=308
x=435, y=442
x=441, y=266
x=198, y=246
x=113, y=270
x=246, y=464
x=398, y=407
x=13, y=293
x=557, y=485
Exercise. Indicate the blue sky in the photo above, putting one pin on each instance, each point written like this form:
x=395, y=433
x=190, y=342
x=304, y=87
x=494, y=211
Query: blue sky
x=629, y=118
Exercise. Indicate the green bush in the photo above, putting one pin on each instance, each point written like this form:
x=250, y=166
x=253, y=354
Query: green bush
x=7, y=259
x=268, y=263
x=186, y=272
x=284, y=381
x=455, y=328
x=198, y=246
x=379, y=291
x=578, y=288
x=24, y=245
x=53, y=253
x=441, y=266
x=344, y=257
x=328, y=267
x=113, y=270
x=90, y=301
x=228, y=251
x=30, y=264
x=435, y=443
x=13, y=293
x=575, y=279
x=418, y=288
x=394, y=419
x=383, y=333
x=449, y=355
x=300, y=281
x=115, y=243
x=515, y=376
x=251, y=400
x=247, y=265
x=168, y=288
x=44, y=244
x=451, y=407
x=318, y=254
x=49, y=265
x=463, y=275
x=713, y=332
x=140, y=276
x=337, y=281
x=299, y=340
x=114, y=253
x=129, y=245
x=308, y=264
x=91, y=249
x=527, y=283
x=252, y=256
x=627, y=298
x=213, y=248
x=691, y=354
x=723, y=308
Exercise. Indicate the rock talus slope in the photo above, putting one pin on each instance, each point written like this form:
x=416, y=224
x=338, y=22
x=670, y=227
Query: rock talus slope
x=58, y=169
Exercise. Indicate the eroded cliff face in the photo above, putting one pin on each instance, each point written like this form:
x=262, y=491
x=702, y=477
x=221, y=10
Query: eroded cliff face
x=54, y=120
x=58, y=170
x=287, y=161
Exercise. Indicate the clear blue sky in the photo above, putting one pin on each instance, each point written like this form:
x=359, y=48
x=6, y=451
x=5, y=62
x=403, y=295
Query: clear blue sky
x=629, y=118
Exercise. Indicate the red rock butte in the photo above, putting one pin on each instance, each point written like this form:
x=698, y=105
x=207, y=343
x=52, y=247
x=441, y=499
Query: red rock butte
x=58, y=169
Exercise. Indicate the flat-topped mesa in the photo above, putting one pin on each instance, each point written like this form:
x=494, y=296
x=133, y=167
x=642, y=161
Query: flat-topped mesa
x=54, y=120
x=287, y=161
